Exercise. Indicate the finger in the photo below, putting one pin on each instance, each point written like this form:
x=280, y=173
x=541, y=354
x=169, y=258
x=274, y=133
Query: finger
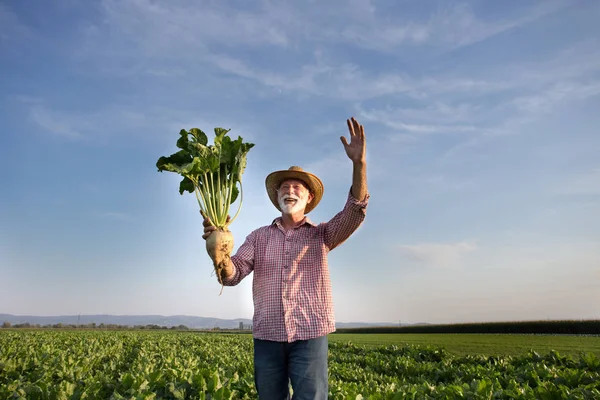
x=206, y=221
x=356, y=126
x=344, y=141
x=350, y=127
x=204, y=215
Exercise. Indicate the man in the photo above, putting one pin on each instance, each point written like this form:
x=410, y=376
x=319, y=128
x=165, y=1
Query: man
x=293, y=308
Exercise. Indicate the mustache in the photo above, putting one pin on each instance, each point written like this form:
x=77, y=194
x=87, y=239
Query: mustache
x=289, y=196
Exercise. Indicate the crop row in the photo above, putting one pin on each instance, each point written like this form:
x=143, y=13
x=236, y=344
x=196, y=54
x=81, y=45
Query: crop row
x=562, y=327
x=177, y=365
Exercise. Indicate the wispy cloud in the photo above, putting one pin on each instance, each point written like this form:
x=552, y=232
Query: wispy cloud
x=498, y=102
x=147, y=122
x=364, y=24
x=437, y=118
x=559, y=93
x=346, y=81
x=331, y=167
x=78, y=125
x=182, y=39
x=57, y=123
x=458, y=25
x=175, y=26
x=579, y=60
x=304, y=80
x=95, y=126
x=438, y=254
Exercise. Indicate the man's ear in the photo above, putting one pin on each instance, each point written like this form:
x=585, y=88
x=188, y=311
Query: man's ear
x=310, y=197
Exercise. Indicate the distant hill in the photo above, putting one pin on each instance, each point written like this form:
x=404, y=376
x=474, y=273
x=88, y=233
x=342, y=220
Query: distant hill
x=127, y=320
x=160, y=320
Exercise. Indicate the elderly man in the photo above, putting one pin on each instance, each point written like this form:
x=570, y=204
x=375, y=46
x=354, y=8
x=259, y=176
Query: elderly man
x=293, y=308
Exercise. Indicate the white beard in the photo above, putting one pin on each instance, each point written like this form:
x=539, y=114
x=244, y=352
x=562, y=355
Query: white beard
x=292, y=208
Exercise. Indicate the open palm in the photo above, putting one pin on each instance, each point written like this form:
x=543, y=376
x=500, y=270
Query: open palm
x=356, y=149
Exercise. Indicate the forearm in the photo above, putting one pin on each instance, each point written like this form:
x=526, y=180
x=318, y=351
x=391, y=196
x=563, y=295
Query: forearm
x=359, y=180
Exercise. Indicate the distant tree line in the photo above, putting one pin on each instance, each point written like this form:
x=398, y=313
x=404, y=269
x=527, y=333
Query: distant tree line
x=567, y=327
x=241, y=329
x=92, y=325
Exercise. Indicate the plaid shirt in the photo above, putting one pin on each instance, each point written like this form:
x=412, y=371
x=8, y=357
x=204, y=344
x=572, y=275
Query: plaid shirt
x=291, y=285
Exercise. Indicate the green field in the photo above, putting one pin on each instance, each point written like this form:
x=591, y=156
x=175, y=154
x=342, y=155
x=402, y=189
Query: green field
x=79, y=364
x=491, y=344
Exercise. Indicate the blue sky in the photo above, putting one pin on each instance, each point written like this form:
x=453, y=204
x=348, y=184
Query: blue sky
x=481, y=121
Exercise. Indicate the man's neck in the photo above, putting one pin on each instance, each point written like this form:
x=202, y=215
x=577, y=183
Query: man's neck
x=291, y=221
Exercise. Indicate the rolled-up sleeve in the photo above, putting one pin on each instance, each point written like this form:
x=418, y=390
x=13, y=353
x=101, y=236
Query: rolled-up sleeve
x=243, y=261
x=346, y=222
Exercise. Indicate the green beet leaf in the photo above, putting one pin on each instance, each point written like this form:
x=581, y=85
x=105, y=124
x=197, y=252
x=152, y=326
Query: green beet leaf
x=212, y=172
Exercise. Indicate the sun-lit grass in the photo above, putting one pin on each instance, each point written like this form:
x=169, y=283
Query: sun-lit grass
x=485, y=344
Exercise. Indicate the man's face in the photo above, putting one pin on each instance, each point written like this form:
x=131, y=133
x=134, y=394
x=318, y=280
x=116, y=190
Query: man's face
x=293, y=196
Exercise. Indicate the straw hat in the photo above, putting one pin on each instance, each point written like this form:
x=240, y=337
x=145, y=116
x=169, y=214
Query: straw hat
x=314, y=184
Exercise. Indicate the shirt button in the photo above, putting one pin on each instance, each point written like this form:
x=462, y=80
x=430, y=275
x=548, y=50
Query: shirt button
x=285, y=266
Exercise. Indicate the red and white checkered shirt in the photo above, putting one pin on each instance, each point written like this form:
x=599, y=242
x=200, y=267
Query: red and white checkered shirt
x=291, y=285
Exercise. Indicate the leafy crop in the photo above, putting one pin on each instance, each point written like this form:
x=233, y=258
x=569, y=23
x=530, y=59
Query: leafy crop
x=177, y=365
x=212, y=172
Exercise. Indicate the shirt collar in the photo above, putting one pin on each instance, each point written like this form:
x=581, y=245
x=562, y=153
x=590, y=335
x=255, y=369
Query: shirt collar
x=278, y=222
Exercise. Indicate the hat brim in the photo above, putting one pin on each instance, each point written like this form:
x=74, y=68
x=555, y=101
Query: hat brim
x=315, y=186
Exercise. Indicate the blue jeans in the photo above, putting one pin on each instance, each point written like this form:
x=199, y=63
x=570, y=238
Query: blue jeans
x=303, y=363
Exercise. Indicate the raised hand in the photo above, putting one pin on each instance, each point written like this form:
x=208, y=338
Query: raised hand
x=356, y=149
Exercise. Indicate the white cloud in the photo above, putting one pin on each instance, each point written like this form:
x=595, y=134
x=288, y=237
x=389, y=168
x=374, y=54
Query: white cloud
x=351, y=82
x=98, y=124
x=189, y=25
x=438, y=254
x=459, y=26
x=412, y=120
x=57, y=123
x=580, y=59
x=180, y=39
x=303, y=81
x=88, y=125
x=334, y=167
x=559, y=93
x=363, y=25
x=499, y=102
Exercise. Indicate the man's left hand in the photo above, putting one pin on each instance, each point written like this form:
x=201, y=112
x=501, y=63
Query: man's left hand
x=356, y=149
